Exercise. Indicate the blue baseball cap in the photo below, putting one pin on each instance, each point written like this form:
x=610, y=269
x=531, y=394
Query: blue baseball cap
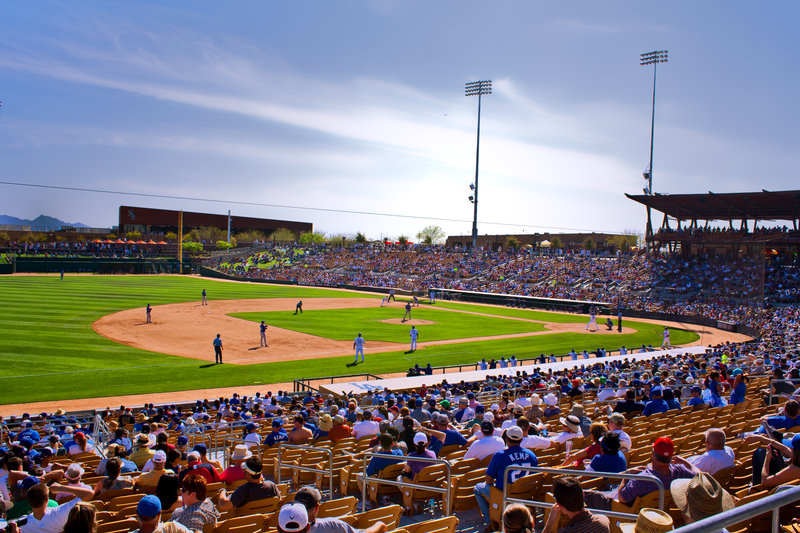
x=278, y=422
x=28, y=482
x=250, y=427
x=201, y=448
x=149, y=506
x=796, y=442
x=183, y=440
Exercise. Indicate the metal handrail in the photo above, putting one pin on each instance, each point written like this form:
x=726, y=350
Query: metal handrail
x=229, y=442
x=783, y=495
x=579, y=473
x=101, y=434
x=328, y=471
x=378, y=481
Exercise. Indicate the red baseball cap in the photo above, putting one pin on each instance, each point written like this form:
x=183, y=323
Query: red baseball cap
x=664, y=447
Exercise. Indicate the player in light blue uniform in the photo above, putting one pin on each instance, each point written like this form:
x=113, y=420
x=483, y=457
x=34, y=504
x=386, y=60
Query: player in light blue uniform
x=358, y=345
x=414, y=333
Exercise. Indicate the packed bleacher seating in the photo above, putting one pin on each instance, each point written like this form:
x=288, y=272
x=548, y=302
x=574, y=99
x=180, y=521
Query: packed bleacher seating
x=234, y=463
x=93, y=249
x=725, y=419
x=628, y=281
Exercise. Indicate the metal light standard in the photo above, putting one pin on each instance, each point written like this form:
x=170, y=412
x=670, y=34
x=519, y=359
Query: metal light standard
x=477, y=88
x=652, y=58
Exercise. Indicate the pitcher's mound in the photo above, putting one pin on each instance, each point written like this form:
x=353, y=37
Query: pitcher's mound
x=412, y=322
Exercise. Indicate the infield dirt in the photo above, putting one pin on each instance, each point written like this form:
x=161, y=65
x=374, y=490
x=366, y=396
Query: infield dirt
x=187, y=329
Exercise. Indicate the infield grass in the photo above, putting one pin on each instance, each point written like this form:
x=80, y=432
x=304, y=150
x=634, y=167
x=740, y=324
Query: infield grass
x=330, y=323
x=50, y=352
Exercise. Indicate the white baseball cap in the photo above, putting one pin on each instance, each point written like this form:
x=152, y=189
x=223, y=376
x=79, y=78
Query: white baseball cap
x=293, y=517
x=514, y=433
x=420, y=438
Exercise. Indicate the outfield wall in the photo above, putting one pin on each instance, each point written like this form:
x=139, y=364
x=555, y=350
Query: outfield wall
x=579, y=306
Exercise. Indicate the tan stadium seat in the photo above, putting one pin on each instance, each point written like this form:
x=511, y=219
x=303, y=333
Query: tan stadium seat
x=447, y=524
x=389, y=515
x=252, y=523
x=338, y=507
x=434, y=475
x=121, y=526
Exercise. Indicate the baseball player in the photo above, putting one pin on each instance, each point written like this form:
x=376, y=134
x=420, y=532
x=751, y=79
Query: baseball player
x=299, y=307
x=385, y=301
x=407, y=314
x=217, y=350
x=592, y=320
x=414, y=333
x=415, y=301
x=204, y=302
x=432, y=297
x=263, y=329
x=391, y=295
x=358, y=345
x=147, y=312
x=665, y=335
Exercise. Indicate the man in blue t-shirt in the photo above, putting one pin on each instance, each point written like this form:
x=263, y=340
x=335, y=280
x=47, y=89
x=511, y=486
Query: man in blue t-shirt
x=278, y=433
x=697, y=397
x=442, y=423
x=496, y=472
x=376, y=464
x=656, y=403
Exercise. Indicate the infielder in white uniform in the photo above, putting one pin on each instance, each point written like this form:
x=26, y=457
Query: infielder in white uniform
x=358, y=345
x=414, y=333
x=592, y=320
x=665, y=342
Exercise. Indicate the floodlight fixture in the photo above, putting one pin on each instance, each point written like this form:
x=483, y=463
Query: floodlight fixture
x=477, y=88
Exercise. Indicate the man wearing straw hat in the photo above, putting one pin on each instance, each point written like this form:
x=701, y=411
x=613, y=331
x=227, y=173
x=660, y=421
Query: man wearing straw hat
x=700, y=497
x=649, y=521
x=235, y=472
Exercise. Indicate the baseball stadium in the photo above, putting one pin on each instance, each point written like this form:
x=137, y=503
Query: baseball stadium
x=273, y=304
x=567, y=349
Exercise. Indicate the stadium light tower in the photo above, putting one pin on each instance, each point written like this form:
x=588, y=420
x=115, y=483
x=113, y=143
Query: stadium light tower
x=478, y=88
x=652, y=58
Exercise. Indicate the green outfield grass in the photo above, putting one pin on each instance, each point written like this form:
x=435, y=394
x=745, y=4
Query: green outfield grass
x=330, y=323
x=50, y=352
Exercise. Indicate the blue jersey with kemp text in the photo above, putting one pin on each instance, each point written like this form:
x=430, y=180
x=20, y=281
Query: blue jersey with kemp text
x=514, y=455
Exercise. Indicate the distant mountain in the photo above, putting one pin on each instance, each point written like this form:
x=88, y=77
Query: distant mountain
x=40, y=223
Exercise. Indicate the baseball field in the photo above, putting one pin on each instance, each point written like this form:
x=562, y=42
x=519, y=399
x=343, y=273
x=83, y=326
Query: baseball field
x=86, y=336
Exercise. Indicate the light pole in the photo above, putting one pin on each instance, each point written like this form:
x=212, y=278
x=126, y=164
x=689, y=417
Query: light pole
x=471, y=89
x=652, y=58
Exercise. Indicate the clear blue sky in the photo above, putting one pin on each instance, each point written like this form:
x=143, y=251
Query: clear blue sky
x=359, y=105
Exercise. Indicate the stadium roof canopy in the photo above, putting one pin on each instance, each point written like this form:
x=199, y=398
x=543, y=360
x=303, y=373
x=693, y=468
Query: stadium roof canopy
x=764, y=205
